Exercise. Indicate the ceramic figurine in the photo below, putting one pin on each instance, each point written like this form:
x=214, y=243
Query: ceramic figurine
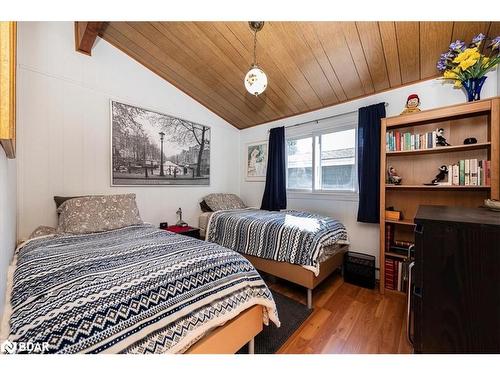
x=443, y=172
x=440, y=139
x=393, y=177
x=180, y=222
x=412, y=104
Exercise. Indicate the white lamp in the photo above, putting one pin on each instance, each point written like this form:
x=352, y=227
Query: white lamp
x=256, y=79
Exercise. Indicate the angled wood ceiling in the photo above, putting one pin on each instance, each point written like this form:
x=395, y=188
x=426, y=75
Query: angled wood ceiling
x=310, y=65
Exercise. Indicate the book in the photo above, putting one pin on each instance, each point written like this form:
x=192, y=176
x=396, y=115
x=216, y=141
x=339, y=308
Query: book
x=461, y=172
x=487, y=173
x=473, y=172
x=389, y=274
x=466, y=172
x=455, y=175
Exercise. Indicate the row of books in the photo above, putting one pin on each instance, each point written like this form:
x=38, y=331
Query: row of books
x=396, y=269
x=397, y=141
x=395, y=275
x=469, y=172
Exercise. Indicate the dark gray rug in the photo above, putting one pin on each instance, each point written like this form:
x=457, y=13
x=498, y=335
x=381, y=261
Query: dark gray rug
x=292, y=314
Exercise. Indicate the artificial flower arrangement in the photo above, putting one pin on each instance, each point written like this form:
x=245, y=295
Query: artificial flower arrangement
x=467, y=66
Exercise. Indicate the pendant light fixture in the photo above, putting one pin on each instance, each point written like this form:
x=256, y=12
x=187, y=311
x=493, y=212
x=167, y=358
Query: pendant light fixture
x=255, y=80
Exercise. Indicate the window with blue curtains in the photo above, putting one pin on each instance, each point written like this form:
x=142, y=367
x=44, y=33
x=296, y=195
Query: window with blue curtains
x=274, y=198
x=369, y=162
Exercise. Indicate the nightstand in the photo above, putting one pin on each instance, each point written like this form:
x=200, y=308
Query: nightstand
x=185, y=231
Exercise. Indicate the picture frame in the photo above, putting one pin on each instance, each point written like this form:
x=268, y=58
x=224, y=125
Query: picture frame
x=151, y=148
x=256, y=156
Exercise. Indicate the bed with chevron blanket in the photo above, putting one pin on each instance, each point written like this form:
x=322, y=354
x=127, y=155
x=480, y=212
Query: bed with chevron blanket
x=136, y=289
x=290, y=236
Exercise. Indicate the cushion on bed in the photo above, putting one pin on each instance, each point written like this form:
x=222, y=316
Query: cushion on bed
x=60, y=200
x=98, y=213
x=204, y=207
x=223, y=201
x=42, y=230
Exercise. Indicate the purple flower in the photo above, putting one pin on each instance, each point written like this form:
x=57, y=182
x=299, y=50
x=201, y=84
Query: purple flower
x=457, y=46
x=441, y=66
x=478, y=38
x=495, y=43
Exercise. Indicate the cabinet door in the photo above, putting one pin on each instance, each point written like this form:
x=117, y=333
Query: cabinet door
x=460, y=292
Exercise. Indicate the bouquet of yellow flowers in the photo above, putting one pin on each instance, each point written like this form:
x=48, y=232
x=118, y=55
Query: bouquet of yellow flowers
x=466, y=66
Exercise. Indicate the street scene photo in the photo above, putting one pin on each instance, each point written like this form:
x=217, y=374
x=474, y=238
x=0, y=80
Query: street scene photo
x=151, y=148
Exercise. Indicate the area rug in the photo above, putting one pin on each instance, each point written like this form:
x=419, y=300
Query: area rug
x=292, y=314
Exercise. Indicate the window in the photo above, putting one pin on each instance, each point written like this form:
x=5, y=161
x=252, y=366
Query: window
x=324, y=161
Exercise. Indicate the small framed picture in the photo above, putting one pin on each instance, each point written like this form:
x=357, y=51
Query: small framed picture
x=256, y=161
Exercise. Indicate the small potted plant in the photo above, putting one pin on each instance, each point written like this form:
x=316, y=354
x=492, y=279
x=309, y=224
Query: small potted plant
x=467, y=66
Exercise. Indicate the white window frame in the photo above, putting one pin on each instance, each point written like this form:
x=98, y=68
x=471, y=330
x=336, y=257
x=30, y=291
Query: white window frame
x=314, y=130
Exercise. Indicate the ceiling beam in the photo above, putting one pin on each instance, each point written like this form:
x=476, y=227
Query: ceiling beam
x=86, y=34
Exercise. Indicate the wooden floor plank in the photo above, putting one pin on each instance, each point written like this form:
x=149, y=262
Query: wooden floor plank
x=347, y=319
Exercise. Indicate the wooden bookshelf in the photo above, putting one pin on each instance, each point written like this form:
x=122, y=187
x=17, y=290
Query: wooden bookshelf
x=480, y=119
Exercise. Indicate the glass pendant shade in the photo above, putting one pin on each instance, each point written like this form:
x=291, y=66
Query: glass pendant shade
x=255, y=80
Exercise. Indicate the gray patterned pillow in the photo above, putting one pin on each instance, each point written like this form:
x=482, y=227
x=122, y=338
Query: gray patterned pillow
x=98, y=213
x=42, y=230
x=222, y=201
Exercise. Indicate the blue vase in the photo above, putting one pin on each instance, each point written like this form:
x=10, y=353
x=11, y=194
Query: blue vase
x=473, y=88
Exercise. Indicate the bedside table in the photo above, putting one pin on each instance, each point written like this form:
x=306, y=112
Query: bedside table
x=185, y=231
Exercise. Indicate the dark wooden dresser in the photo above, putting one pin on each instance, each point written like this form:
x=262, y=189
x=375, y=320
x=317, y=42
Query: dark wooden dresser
x=455, y=295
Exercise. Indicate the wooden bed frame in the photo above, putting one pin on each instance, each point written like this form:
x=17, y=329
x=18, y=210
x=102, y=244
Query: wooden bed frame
x=230, y=337
x=298, y=274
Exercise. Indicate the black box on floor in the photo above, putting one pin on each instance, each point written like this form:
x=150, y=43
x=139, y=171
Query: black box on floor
x=359, y=269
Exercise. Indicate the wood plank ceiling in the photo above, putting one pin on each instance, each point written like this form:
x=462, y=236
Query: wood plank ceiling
x=310, y=65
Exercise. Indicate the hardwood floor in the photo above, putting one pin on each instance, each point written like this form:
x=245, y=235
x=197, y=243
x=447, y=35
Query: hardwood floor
x=347, y=319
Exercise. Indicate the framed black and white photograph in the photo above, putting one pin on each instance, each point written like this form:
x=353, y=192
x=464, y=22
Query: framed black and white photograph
x=152, y=148
x=256, y=161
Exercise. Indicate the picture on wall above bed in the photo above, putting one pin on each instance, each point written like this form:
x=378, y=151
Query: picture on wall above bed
x=151, y=148
x=256, y=161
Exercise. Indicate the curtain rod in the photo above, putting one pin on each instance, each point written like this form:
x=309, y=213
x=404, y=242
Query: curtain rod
x=324, y=118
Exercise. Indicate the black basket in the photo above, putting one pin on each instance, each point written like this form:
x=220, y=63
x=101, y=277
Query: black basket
x=359, y=269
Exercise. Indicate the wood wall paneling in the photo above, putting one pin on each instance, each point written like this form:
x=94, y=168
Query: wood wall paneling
x=408, y=36
x=391, y=52
x=433, y=36
x=8, y=52
x=372, y=47
x=310, y=65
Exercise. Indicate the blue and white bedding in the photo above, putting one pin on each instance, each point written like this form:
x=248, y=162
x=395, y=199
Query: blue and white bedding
x=136, y=289
x=286, y=236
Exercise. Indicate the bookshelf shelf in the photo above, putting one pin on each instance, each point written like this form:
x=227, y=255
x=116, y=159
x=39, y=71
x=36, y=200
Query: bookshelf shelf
x=438, y=187
x=437, y=150
x=395, y=255
x=481, y=120
x=400, y=222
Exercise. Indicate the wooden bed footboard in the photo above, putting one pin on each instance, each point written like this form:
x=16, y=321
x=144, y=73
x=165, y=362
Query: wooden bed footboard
x=298, y=274
x=230, y=337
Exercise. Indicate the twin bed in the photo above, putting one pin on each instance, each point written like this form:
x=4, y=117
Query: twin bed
x=297, y=246
x=105, y=282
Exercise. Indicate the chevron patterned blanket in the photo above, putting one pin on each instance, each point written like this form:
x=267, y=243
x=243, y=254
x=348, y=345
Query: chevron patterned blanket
x=132, y=290
x=286, y=236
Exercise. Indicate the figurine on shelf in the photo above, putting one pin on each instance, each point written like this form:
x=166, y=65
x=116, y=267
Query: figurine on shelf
x=412, y=104
x=440, y=139
x=180, y=222
x=443, y=172
x=393, y=177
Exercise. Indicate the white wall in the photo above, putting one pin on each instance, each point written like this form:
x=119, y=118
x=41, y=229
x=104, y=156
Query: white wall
x=364, y=237
x=7, y=218
x=64, y=127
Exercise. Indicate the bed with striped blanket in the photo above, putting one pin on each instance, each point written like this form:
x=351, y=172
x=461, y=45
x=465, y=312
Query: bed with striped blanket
x=136, y=289
x=291, y=236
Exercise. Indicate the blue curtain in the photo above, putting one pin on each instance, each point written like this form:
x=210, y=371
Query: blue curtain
x=274, y=198
x=369, y=162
